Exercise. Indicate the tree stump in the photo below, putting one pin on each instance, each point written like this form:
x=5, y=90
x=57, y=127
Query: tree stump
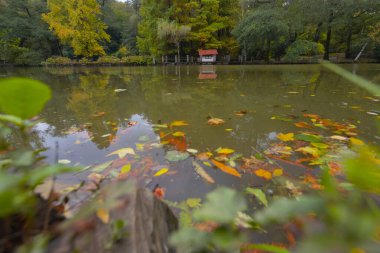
x=138, y=223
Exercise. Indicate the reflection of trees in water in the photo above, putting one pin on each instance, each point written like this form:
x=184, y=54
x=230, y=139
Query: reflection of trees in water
x=94, y=105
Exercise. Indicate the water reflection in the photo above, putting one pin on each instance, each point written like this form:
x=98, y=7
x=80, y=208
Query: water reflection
x=207, y=72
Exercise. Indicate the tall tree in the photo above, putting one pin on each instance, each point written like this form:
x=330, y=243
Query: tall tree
x=24, y=37
x=78, y=24
x=173, y=32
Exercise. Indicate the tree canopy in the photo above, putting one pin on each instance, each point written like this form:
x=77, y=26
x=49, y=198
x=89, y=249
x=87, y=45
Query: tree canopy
x=33, y=30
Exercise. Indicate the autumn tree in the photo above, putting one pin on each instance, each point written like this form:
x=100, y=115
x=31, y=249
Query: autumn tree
x=78, y=24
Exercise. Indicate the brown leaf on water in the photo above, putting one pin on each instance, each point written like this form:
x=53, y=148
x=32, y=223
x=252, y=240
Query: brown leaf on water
x=204, y=156
x=303, y=124
x=241, y=113
x=215, y=121
x=226, y=168
x=98, y=114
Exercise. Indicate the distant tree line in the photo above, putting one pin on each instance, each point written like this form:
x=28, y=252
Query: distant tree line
x=32, y=31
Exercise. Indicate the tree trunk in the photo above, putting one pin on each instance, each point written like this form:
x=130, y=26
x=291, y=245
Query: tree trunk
x=348, y=42
x=267, y=53
x=317, y=34
x=328, y=38
x=179, y=59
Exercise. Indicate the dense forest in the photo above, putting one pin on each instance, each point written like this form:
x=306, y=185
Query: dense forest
x=32, y=31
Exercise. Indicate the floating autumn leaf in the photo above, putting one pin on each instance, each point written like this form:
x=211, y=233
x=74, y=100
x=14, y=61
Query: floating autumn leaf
x=309, y=150
x=356, y=142
x=226, y=168
x=338, y=138
x=98, y=114
x=202, y=173
x=204, y=156
x=125, y=169
x=252, y=162
x=178, y=123
x=123, y=152
x=229, y=129
x=103, y=215
x=335, y=168
x=175, y=156
x=278, y=149
x=64, y=161
x=312, y=116
x=263, y=174
x=179, y=134
x=309, y=137
x=277, y=172
x=286, y=137
x=161, y=172
x=215, y=121
x=192, y=151
x=225, y=151
x=241, y=113
x=302, y=124
x=319, y=145
x=101, y=167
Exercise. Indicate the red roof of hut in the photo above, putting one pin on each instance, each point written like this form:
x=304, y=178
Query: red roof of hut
x=208, y=52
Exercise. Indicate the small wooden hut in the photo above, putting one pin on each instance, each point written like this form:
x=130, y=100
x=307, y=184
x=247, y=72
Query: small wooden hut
x=208, y=56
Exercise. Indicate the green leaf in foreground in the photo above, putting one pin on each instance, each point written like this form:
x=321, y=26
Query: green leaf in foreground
x=222, y=206
x=259, y=194
x=23, y=97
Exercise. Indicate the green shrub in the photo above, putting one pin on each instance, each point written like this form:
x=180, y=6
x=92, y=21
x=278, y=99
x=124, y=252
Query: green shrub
x=137, y=60
x=303, y=48
x=108, y=60
x=58, y=60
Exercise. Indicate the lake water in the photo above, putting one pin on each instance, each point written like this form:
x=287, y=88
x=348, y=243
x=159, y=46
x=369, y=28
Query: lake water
x=98, y=110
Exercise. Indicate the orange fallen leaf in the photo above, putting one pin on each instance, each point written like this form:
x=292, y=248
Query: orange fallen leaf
x=226, y=168
x=264, y=174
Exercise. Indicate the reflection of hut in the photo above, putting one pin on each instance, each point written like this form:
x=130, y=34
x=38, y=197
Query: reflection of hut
x=208, y=56
x=207, y=72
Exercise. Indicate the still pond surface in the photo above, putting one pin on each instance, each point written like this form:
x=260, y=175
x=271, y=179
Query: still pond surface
x=98, y=110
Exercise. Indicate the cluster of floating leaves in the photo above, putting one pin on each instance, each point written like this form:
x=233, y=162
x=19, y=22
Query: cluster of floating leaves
x=317, y=143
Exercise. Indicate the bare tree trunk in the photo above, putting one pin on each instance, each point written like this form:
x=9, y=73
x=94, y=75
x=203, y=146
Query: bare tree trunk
x=179, y=59
x=328, y=38
x=361, y=51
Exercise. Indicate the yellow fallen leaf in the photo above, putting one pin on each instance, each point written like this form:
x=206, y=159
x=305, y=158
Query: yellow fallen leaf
x=215, y=121
x=225, y=151
x=161, y=172
x=286, y=137
x=125, y=169
x=103, y=215
x=123, y=152
x=277, y=172
x=179, y=134
x=178, y=123
x=309, y=150
x=228, y=129
x=78, y=142
x=226, y=168
x=356, y=142
x=264, y=174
